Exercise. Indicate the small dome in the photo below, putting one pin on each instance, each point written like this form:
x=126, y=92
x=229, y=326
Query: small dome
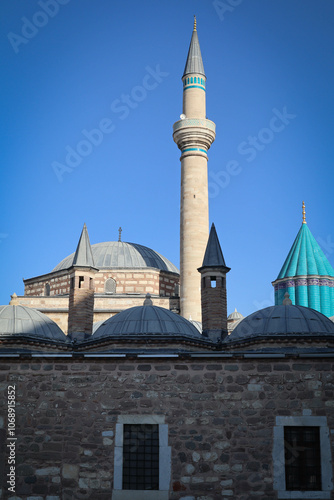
x=20, y=321
x=285, y=321
x=118, y=254
x=197, y=324
x=146, y=320
x=235, y=315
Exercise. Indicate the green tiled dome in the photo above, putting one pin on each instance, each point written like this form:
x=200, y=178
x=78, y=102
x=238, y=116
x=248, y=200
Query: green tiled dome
x=305, y=257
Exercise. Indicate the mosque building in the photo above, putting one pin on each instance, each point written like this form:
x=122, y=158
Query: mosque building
x=148, y=405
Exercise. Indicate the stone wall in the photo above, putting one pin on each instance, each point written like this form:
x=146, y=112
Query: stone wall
x=220, y=415
x=141, y=281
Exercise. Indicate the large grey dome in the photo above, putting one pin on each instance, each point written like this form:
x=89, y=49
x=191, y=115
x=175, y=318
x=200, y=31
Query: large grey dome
x=146, y=320
x=118, y=254
x=283, y=321
x=20, y=321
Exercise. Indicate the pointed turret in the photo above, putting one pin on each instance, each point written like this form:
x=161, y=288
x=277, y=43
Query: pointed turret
x=84, y=256
x=213, y=289
x=194, y=62
x=306, y=274
x=193, y=134
x=81, y=297
x=213, y=254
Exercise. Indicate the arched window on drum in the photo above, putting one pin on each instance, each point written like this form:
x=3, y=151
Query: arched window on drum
x=110, y=286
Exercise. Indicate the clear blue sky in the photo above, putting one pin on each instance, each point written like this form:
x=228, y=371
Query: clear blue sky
x=262, y=60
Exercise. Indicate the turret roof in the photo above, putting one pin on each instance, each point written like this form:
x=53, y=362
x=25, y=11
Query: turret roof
x=83, y=256
x=213, y=256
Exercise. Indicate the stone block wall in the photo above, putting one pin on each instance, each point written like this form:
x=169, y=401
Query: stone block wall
x=128, y=281
x=220, y=415
x=59, y=283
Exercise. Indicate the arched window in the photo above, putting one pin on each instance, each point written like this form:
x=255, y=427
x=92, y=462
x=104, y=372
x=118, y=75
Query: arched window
x=191, y=79
x=47, y=290
x=195, y=79
x=110, y=286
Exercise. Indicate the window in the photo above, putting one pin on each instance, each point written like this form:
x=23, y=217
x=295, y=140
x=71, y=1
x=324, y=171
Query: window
x=47, y=290
x=142, y=461
x=140, y=457
x=302, y=458
x=110, y=286
x=213, y=282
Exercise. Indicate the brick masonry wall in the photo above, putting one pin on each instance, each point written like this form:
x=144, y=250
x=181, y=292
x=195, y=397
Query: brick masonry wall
x=127, y=281
x=220, y=416
x=214, y=304
x=59, y=285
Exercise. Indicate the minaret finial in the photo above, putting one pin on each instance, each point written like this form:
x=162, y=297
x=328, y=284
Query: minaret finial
x=195, y=24
x=120, y=234
x=304, y=214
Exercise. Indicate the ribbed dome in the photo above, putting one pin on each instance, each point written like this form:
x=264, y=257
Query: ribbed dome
x=286, y=321
x=118, y=254
x=20, y=321
x=235, y=315
x=305, y=257
x=146, y=320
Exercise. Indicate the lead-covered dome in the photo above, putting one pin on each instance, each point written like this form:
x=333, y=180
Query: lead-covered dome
x=20, y=321
x=146, y=320
x=119, y=254
x=283, y=321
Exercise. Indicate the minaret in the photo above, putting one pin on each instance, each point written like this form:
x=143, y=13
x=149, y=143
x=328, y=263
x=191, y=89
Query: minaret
x=213, y=289
x=194, y=135
x=81, y=297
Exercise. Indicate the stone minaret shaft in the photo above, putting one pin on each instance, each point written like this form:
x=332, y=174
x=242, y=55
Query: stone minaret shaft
x=194, y=135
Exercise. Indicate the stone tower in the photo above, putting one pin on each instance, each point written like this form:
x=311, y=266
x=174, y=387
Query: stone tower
x=81, y=296
x=193, y=134
x=213, y=289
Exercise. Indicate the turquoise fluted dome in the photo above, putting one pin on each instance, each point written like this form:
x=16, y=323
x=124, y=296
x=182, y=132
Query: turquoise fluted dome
x=305, y=257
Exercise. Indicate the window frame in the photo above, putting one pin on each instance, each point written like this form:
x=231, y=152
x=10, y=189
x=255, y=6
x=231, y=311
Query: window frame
x=164, y=459
x=325, y=457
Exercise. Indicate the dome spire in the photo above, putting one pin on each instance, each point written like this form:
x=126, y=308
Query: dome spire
x=304, y=214
x=195, y=24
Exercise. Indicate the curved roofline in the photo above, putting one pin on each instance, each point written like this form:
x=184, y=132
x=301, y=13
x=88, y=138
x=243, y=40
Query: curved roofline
x=292, y=321
x=123, y=255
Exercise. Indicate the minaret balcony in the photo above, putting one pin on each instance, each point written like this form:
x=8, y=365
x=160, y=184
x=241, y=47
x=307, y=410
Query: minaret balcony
x=194, y=133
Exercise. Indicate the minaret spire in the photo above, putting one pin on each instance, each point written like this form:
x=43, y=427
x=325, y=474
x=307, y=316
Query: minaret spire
x=304, y=214
x=194, y=135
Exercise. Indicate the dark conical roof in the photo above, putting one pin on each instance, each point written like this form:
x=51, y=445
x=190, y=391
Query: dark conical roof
x=194, y=62
x=83, y=256
x=213, y=254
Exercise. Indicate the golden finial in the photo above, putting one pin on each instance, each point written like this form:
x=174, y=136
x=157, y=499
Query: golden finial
x=195, y=24
x=304, y=216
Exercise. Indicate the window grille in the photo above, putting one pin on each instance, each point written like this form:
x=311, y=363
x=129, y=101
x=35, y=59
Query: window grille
x=110, y=286
x=302, y=458
x=141, y=457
